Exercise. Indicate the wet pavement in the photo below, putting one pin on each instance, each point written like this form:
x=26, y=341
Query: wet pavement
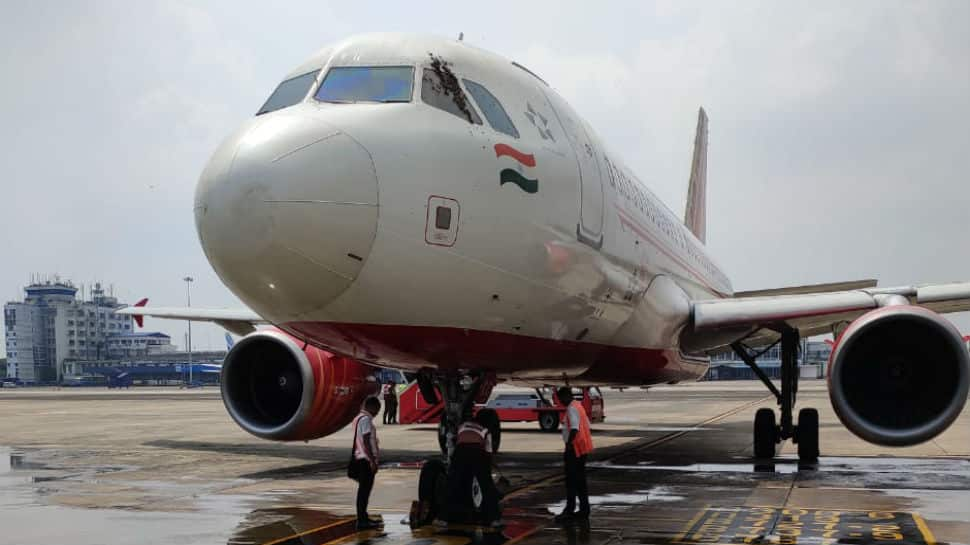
x=673, y=466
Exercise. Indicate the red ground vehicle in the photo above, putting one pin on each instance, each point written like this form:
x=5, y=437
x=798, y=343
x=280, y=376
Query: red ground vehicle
x=540, y=406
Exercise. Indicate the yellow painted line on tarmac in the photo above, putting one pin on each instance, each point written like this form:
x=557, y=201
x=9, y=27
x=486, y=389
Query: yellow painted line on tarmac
x=558, y=477
x=541, y=482
x=690, y=524
x=525, y=534
x=924, y=529
x=311, y=531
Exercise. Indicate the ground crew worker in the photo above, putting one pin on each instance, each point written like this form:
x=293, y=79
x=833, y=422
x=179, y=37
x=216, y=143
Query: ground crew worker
x=364, y=460
x=385, y=388
x=473, y=459
x=579, y=443
x=390, y=403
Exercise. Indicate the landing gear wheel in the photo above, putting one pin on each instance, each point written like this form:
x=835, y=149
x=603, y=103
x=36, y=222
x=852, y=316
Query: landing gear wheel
x=765, y=433
x=806, y=435
x=489, y=418
x=432, y=489
x=443, y=436
x=549, y=421
x=477, y=496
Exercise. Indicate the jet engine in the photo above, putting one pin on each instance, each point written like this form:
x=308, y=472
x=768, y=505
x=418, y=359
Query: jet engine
x=276, y=387
x=899, y=375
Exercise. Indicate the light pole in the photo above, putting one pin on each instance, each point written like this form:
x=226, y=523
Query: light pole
x=188, y=299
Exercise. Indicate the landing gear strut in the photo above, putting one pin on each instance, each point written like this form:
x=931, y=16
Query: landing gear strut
x=767, y=433
x=460, y=393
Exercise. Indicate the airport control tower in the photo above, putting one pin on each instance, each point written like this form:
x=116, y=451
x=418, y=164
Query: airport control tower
x=52, y=324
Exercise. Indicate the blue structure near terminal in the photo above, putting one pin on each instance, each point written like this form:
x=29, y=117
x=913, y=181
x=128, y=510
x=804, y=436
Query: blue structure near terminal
x=171, y=369
x=125, y=376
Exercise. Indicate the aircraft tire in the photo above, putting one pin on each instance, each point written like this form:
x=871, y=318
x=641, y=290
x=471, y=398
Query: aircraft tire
x=489, y=418
x=549, y=421
x=433, y=488
x=765, y=433
x=807, y=435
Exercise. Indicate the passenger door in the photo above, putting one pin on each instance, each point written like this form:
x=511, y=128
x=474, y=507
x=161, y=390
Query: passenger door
x=590, y=227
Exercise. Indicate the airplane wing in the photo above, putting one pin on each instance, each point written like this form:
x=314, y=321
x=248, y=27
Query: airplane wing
x=238, y=321
x=817, y=312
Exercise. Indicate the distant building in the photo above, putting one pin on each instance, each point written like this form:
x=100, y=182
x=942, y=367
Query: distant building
x=128, y=345
x=812, y=357
x=51, y=326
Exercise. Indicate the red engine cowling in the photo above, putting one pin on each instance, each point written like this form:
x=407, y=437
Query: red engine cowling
x=899, y=375
x=276, y=389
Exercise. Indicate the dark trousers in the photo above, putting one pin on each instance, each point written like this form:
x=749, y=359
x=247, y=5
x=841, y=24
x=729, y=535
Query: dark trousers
x=390, y=410
x=365, y=483
x=469, y=463
x=575, y=481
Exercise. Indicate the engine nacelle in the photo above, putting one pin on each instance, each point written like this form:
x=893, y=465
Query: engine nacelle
x=276, y=388
x=899, y=375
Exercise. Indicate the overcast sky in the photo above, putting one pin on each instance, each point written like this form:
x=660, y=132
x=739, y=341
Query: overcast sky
x=838, y=137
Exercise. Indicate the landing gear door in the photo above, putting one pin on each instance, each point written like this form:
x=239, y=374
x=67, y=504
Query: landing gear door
x=590, y=227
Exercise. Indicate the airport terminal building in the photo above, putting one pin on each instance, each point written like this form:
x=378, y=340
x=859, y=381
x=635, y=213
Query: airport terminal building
x=812, y=358
x=52, y=325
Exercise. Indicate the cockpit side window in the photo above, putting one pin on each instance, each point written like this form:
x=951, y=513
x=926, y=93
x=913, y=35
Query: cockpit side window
x=367, y=84
x=442, y=92
x=289, y=92
x=491, y=108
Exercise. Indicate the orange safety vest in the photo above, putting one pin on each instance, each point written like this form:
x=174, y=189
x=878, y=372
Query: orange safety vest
x=583, y=443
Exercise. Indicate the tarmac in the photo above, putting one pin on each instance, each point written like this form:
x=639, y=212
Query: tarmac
x=672, y=466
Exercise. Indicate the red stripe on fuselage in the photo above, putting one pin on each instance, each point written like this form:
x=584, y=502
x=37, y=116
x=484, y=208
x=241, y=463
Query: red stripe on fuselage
x=526, y=159
x=506, y=354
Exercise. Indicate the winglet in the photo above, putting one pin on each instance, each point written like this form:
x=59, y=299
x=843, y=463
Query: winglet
x=695, y=217
x=139, y=319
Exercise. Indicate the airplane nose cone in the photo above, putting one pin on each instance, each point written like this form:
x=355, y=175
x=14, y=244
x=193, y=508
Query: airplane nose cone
x=286, y=211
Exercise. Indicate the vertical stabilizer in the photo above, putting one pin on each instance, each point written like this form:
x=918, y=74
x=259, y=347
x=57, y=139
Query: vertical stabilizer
x=695, y=218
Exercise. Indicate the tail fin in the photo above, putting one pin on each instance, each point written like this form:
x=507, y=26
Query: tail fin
x=695, y=218
x=139, y=319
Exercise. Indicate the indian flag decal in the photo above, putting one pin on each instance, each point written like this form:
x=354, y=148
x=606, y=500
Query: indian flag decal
x=514, y=175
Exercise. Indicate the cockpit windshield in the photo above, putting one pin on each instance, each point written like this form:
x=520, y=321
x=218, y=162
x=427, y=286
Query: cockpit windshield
x=289, y=92
x=367, y=84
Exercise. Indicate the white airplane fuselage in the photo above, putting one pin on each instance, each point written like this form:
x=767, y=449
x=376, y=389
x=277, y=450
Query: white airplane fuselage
x=404, y=235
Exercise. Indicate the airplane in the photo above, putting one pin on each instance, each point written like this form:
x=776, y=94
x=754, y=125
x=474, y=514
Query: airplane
x=416, y=203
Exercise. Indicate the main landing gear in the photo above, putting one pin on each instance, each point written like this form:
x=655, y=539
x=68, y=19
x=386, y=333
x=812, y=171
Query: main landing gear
x=767, y=432
x=460, y=392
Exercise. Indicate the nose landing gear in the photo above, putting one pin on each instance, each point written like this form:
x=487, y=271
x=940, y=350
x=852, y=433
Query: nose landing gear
x=460, y=393
x=767, y=433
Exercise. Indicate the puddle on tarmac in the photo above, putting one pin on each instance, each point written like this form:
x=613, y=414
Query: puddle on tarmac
x=636, y=498
x=309, y=526
x=27, y=485
x=869, y=465
x=764, y=467
x=950, y=505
